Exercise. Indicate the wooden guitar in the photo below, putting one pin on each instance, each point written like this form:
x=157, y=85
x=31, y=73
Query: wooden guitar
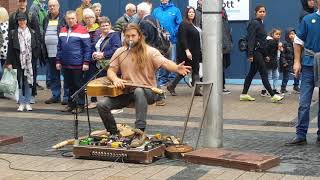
x=103, y=87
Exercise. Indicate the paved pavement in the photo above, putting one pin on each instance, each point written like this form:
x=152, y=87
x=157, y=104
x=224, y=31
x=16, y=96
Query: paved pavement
x=259, y=126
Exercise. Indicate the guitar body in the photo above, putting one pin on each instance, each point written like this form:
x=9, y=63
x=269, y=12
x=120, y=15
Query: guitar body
x=103, y=87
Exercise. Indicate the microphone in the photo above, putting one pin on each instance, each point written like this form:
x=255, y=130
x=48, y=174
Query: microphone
x=130, y=45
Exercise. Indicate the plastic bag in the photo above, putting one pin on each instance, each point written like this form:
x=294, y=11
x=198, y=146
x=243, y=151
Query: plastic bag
x=14, y=96
x=8, y=83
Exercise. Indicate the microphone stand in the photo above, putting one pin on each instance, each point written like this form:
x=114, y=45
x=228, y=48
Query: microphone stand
x=75, y=98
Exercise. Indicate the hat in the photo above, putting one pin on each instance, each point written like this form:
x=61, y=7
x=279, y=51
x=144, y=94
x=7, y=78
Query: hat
x=21, y=16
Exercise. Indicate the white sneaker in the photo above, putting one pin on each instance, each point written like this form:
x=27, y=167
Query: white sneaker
x=116, y=111
x=21, y=108
x=28, y=107
x=32, y=100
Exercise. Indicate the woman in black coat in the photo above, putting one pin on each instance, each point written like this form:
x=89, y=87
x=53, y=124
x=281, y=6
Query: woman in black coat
x=188, y=49
x=22, y=53
x=257, y=44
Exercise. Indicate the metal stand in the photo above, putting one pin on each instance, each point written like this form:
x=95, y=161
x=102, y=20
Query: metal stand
x=206, y=101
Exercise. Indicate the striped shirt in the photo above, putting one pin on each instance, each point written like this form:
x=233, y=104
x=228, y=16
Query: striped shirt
x=51, y=38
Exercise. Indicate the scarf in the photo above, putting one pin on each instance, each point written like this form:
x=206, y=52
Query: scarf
x=24, y=37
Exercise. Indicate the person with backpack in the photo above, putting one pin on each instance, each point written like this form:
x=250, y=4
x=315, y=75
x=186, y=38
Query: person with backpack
x=188, y=49
x=256, y=36
x=170, y=18
x=147, y=24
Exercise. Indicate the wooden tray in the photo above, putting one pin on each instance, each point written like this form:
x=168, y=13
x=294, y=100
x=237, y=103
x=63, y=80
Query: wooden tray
x=111, y=154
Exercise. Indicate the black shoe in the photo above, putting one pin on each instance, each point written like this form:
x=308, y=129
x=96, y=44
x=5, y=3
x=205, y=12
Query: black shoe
x=275, y=91
x=78, y=110
x=283, y=90
x=198, y=94
x=64, y=102
x=67, y=109
x=296, y=89
x=51, y=101
x=296, y=142
x=263, y=93
x=318, y=141
x=171, y=90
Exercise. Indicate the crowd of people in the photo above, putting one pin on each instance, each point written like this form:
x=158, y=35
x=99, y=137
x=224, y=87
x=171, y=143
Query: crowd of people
x=73, y=45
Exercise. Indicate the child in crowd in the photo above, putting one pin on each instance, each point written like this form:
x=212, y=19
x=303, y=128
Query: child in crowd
x=274, y=46
x=286, y=61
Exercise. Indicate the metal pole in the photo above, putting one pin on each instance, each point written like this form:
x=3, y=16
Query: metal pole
x=212, y=70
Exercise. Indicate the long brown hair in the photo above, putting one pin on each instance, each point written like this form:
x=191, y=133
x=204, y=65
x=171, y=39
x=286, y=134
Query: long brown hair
x=139, y=51
x=185, y=15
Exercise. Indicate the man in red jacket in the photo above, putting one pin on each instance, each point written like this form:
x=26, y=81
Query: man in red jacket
x=73, y=56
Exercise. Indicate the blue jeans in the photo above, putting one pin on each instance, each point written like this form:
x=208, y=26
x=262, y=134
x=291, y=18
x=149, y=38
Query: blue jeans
x=55, y=82
x=165, y=76
x=285, y=79
x=24, y=94
x=306, y=91
x=273, y=75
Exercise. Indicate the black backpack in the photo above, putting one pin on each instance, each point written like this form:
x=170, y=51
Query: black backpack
x=243, y=44
x=163, y=42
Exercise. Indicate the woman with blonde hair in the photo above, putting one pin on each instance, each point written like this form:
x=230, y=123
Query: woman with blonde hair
x=4, y=25
x=96, y=8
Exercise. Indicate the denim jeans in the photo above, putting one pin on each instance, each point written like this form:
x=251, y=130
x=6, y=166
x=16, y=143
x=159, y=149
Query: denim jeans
x=141, y=98
x=285, y=79
x=55, y=82
x=273, y=76
x=306, y=91
x=165, y=76
x=24, y=94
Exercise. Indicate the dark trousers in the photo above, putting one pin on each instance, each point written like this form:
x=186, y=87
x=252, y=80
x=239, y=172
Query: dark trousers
x=285, y=79
x=74, y=80
x=258, y=64
x=90, y=73
x=35, y=74
x=140, y=97
x=226, y=63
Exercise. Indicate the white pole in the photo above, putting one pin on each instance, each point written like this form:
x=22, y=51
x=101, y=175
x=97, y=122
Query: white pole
x=212, y=69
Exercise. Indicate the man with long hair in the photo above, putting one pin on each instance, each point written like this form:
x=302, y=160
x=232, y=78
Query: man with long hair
x=137, y=62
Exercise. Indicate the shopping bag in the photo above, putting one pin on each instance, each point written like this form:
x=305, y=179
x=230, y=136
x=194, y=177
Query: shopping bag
x=8, y=83
x=14, y=96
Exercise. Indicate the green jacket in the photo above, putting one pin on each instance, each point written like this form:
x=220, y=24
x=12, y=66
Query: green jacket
x=39, y=11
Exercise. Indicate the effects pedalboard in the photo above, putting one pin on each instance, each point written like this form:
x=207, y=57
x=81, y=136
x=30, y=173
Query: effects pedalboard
x=135, y=155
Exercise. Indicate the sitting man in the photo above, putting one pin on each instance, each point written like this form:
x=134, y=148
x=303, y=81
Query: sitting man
x=138, y=65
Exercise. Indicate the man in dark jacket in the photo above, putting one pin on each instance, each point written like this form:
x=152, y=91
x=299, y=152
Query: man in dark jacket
x=33, y=23
x=126, y=18
x=146, y=24
x=52, y=24
x=199, y=14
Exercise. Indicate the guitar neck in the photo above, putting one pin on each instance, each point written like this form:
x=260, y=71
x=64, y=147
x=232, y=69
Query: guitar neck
x=138, y=85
